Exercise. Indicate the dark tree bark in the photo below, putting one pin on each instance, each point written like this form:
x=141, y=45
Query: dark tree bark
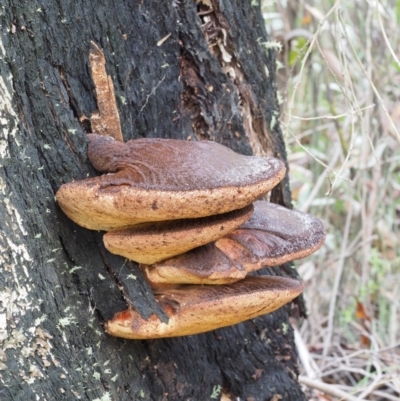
x=211, y=78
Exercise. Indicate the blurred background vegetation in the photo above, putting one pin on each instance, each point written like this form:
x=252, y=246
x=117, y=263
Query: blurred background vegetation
x=338, y=74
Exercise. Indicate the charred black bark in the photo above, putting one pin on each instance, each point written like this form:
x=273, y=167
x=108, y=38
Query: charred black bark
x=211, y=78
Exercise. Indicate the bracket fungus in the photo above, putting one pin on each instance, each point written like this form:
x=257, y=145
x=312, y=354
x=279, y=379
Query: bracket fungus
x=164, y=179
x=184, y=210
x=152, y=242
x=194, y=309
x=272, y=236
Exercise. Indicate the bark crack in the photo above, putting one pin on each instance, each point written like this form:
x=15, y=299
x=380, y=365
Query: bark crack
x=191, y=95
x=216, y=32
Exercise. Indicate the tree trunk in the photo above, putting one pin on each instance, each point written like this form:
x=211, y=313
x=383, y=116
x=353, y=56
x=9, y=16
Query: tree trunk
x=211, y=78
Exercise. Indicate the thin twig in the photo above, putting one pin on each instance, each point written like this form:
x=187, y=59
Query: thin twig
x=318, y=159
x=327, y=389
x=335, y=290
x=310, y=45
x=153, y=91
x=385, y=36
x=321, y=179
x=305, y=357
x=332, y=117
x=377, y=94
x=375, y=383
x=384, y=394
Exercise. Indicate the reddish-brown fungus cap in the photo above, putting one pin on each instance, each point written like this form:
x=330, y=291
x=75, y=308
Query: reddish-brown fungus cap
x=164, y=179
x=197, y=309
x=272, y=236
x=153, y=242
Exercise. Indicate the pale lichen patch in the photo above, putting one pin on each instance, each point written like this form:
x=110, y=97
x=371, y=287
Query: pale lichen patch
x=33, y=374
x=7, y=114
x=3, y=327
x=67, y=321
x=29, y=343
x=13, y=304
x=15, y=217
x=18, y=343
x=19, y=250
x=105, y=397
x=75, y=268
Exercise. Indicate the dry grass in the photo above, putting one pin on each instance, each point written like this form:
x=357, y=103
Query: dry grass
x=340, y=81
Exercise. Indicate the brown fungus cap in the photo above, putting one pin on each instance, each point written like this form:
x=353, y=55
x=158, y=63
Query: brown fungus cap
x=272, y=236
x=194, y=309
x=152, y=242
x=164, y=179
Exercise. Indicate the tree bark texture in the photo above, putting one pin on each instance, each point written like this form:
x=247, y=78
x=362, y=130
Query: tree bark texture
x=211, y=78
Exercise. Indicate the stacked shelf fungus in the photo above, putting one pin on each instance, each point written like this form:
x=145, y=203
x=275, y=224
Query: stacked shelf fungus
x=188, y=213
